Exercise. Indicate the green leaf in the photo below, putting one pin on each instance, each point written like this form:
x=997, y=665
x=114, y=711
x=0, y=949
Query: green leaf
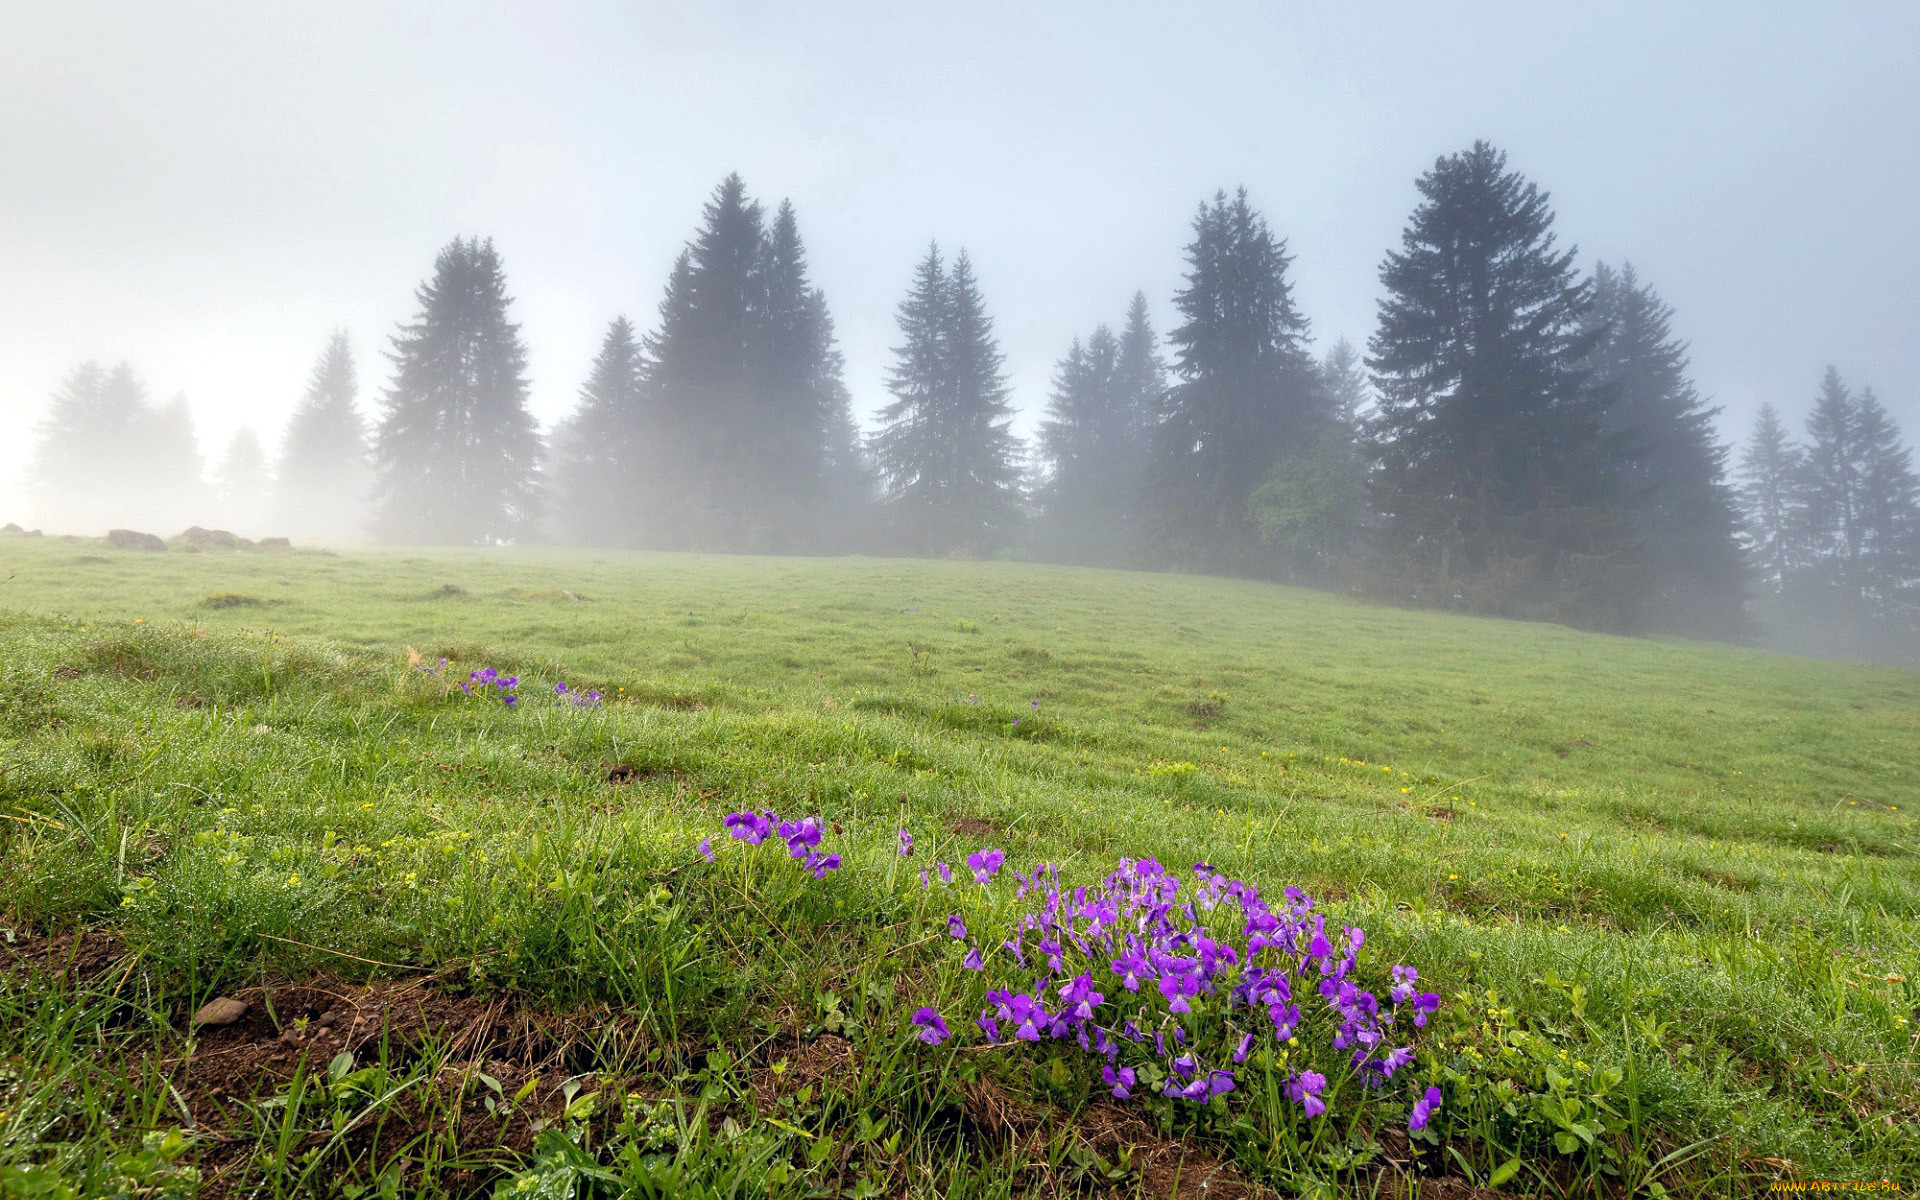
x=1567, y=1143
x=1505, y=1171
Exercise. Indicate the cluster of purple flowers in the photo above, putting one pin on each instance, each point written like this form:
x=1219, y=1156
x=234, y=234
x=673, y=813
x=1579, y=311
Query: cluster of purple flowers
x=802, y=838
x=503, y=685
x=1202, y=973
x=566, y=695
x=1210, y=964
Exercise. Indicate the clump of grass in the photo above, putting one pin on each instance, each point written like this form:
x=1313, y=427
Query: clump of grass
x=231, y=600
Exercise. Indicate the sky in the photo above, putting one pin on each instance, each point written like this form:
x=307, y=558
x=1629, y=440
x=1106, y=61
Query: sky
x=207, y=190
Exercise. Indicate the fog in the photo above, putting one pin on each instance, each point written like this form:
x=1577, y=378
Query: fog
x=208, y=191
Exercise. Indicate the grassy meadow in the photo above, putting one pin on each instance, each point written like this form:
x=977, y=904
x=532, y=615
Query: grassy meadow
x=1669, y=893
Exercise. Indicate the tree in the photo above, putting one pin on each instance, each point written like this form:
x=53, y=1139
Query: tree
x=1244, y=392
x=324, y=478
x=1771, y=501
x=1887, y=517
x=1312, y=506
x=750, y=441
x=944, y=450
x=456, y=453
x=1494, y=483
x=1830, y=486
x=89, y=464
x=1674, y=466
x=598, y=451
x=242, y=482
x=175, y=492
x=1343, y=377
x=1091, y=441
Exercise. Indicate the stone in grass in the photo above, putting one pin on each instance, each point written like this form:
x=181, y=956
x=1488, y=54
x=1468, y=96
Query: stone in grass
x=224, y=1010
x=133, y=539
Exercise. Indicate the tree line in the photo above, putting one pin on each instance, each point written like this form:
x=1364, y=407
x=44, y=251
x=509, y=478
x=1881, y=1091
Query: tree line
x=1519, y=437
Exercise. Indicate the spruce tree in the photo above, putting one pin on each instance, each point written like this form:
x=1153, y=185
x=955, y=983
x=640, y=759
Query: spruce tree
x=1495, y=486
x=1830, y=487
x=1771, y=500
x=1090, y=442
x=457, y=454
x=1887, y=517
x=598, y=452
x=324, y=478
x=1140, y=376
x=88, y=467
x=242, y=482
x=173, y=481
x=1343, y=376
x=1683, y=509
x=944, y=450
x=1312, y=506
x=1244, y=392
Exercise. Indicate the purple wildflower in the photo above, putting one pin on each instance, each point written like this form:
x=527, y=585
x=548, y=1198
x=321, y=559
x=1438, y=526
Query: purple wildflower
x=1423, y=1110
x=1120, y=1081
x=973, y=960
x=1305, y=1089
x=956, y=928
x=706, y=850
x=985, y=864
x=906, y=848
x=749, y=827
x=933, y=1030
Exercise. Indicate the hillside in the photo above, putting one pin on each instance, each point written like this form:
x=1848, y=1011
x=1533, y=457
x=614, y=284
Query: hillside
x=1666, y=892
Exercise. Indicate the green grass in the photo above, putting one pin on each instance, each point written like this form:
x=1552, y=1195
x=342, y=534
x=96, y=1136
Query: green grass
x=1669, y=890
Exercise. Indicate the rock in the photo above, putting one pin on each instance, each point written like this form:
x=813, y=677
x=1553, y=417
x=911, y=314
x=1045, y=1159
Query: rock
x=222, y=1011
x=131, y=539
x=275, y=544
x=197, y=536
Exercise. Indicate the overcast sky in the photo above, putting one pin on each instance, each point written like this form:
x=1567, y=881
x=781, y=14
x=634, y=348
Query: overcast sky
x=207, y=189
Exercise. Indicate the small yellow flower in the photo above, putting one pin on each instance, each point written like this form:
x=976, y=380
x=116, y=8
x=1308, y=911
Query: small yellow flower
x=293, y=881
x=1453, y=877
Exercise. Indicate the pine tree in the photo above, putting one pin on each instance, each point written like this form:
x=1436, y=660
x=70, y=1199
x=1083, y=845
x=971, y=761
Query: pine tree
x=324, y=478
x=1244, y=394
x=1770, y=470
x=174, y=484
x=599, y=451
x=1887, y=517
x=1140, y=375
x=242, y=482
x=1830, y=486
x=457, y=453
x=1343, y=377
x=950, y=464
x=88, y=467
x=1683, y=509
x=1494, y=484
x=1091, y=442
x=707, y=362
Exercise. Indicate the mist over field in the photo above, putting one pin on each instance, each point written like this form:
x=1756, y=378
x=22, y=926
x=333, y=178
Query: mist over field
x=728, y=600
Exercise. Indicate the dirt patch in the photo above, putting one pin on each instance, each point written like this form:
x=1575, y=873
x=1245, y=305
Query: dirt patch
x=977, y=827
x=73, y=959
x=622, y=773
x=1162, y=1166
x=827, y=1063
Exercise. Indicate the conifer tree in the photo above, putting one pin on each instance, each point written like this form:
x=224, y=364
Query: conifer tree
x=1887, y=517
x=1683, y=510
x=1343, y=377
x=944, y=450
x=324, y=477
x=1090, y=442
x=91, y=459
x=1140, y=375
x=1830, y=486
x=1770, y=501
x=457, y=454
x=1244, y=392
x=242, y=482
x=1494, y=484
x=174, y=483
x=598, y=452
